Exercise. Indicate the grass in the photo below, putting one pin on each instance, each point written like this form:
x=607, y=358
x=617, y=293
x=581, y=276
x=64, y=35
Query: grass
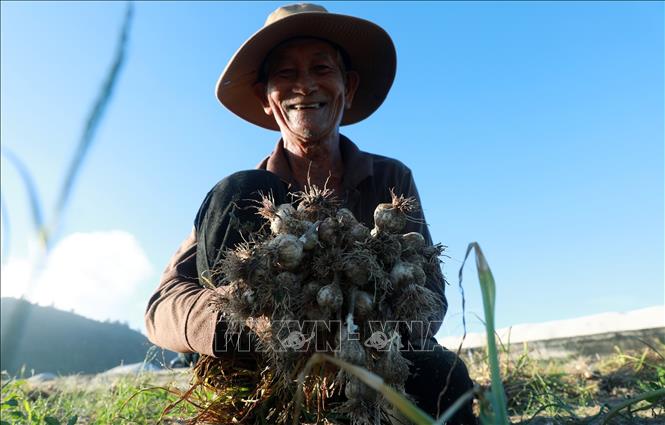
x=577, y=389
x=80, y=400
x=573, y=390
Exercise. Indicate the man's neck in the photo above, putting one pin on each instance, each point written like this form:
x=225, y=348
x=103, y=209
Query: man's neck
x=316, y=163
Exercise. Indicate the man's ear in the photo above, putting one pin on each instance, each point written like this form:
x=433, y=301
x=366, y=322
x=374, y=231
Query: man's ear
x=260, y=93
x=352, y=82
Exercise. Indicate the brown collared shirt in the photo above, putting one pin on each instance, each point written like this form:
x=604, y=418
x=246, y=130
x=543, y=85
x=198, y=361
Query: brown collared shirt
x=178, y=316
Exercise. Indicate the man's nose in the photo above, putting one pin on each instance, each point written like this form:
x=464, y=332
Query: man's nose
x=304, y=84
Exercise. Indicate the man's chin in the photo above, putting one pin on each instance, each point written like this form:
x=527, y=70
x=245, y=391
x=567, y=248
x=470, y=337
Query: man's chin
x=309, y=134
x=315, y=127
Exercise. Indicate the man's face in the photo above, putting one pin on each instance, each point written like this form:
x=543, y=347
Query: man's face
x=307, y=91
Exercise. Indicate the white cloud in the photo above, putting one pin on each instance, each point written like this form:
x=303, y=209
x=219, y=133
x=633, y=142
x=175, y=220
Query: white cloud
x=98, y=275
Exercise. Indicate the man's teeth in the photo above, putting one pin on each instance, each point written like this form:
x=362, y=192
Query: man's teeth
x=307, y=106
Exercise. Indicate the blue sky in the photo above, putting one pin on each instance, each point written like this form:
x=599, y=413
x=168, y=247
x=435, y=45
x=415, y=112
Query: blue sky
x=535, y=129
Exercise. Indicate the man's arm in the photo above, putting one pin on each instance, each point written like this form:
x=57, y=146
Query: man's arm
x=179, y=316
x=184, y=316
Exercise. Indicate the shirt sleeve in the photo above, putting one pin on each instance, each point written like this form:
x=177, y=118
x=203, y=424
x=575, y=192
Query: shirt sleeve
x=179, y=316
x=437, y=282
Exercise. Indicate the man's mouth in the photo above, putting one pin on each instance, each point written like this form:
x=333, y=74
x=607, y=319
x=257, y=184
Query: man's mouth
x=301, y=106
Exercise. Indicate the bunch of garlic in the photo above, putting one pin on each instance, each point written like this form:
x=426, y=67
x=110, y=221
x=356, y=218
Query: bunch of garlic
x=319, y=265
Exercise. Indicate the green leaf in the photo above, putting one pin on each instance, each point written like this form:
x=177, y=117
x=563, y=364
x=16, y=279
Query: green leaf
x=50, y=420
x=651, y=396
x=488, y=289
x=11, y=402
x=28, y=409
x=17, y=414
x=4, y=422
x=72, y=420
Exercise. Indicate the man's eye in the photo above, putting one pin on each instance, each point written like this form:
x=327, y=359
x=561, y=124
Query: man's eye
x=322, y=68
x=285, y=73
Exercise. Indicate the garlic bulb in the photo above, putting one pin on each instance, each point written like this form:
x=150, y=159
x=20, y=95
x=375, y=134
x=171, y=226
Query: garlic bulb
x=328, y=231
x=389, y=219
x=356, y=271
x=330, y=296
x=355, y=389
x=358, y=232
x=352, y=351
x=348, y=349
x=281, y=221
x=310, y=238
x=345, y=217
x=364, y=304
x=412, y=241
x=288, y=249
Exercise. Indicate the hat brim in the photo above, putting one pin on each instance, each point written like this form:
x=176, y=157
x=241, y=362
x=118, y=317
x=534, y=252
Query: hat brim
x=368, y=46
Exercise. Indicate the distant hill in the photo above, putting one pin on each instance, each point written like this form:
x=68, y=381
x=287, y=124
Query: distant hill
x=46, y=339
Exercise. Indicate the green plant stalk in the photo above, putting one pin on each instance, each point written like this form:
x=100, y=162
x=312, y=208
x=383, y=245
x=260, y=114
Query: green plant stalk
x=656, y=394
x=488, y=289
x=92, y=123
x=33, y=196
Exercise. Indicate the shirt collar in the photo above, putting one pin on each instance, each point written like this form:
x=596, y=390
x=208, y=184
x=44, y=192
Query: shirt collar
x=358, y=165
x=278, y=164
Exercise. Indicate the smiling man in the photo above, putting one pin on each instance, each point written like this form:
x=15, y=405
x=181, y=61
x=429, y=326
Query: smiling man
x=305, y=73
x=306, y=87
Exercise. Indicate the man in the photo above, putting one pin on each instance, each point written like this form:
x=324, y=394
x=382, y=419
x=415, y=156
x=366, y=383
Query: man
x=305, y=73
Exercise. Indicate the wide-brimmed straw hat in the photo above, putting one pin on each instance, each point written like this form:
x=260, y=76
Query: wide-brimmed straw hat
x=369, y=48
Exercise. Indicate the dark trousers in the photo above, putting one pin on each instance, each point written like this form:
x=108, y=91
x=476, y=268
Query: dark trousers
x=229, y=212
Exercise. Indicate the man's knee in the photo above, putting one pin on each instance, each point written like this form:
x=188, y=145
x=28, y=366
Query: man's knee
x=435, y=365
x=457, y=368
x=437, y=378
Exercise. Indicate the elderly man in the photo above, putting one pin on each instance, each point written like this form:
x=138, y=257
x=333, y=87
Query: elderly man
x=305, y=73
